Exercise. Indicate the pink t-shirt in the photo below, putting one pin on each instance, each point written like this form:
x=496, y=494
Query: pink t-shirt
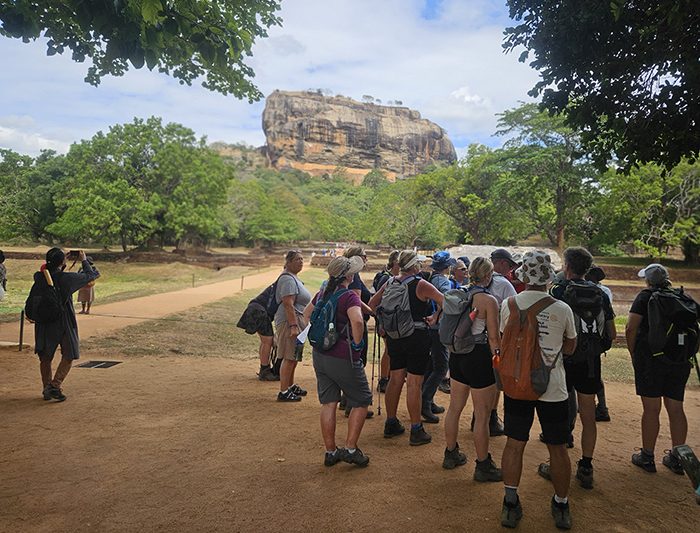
x=342, y=347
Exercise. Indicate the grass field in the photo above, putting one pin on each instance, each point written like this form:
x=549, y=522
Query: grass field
x=118, y=281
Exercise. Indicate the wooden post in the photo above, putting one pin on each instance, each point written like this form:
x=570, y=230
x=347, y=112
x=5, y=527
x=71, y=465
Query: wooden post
x=242, y=278
x=193, y=281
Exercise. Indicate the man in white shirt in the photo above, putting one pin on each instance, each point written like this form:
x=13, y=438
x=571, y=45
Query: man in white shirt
x=557, y=333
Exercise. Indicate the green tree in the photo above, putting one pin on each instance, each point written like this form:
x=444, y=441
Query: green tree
x=375, y=178
x=625, y=73
x=187, y=39
x=549, y=175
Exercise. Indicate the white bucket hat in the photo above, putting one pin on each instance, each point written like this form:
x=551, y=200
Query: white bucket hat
x=536, y=269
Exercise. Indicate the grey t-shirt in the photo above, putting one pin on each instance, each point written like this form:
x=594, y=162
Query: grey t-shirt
x=290, y=284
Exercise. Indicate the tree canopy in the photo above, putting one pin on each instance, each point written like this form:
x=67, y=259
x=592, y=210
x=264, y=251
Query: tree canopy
x=625, y=73
x=186, y=39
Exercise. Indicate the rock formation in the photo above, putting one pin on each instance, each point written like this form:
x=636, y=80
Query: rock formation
x=316, y=133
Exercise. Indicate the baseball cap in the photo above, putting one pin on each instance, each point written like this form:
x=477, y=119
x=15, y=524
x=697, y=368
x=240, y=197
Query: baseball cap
x=464, y=259
x=654, y=273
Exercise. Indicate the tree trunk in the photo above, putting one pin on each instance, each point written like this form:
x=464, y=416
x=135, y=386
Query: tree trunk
x=560, y=237
x=123, y=238
x=691, y=252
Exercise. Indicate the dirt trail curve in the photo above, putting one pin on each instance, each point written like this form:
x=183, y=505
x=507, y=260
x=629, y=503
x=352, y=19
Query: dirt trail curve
x=103, y=321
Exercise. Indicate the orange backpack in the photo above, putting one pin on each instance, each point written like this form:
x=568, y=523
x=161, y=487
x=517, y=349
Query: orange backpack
x=520, y=370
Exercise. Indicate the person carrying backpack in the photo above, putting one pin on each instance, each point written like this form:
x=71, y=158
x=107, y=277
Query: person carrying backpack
x=403, y=312
x=471, y=369
x=337, y=336
x=438, y=362
x=595, y=327
x=536, y=331
x=50, y=307
x=662, y=338
x=391, y=269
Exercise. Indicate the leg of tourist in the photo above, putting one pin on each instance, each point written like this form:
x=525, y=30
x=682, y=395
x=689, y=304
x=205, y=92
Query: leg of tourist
x=650, y=422
x=61, y=372
x=458, y=399
x=677, y=421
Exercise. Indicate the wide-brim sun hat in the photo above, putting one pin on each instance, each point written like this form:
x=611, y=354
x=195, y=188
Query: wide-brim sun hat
x=536, y=268
x=345, y=266
x=442, y=260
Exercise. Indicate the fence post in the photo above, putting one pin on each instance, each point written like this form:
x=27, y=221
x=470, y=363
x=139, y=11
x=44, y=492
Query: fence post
x=193, y=281
x=21, y=329
x=242, y=278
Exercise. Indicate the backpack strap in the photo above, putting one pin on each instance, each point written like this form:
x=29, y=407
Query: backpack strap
x=534, y=310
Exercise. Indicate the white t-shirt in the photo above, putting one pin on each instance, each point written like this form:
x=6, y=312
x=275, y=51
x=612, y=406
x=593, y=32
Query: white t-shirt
x=556, y=322
x=500, y=288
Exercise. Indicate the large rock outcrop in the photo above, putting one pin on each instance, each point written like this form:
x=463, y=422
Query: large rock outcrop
x=316, y=134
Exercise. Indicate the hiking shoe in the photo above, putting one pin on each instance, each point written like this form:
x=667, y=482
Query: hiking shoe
x=266, y=374
x=511, y=514
x=584, y=475
x=381, y=386
x=393, y=428
x=355, y=458
x=544, y=470
x=332, y=458
x=56, y=394
x=672, y=462
x=644, y=461
x=561, y=514
x=436, y=409
x=495, y=425
x=296, y=389
x=601, y=414
x=428, y=416
x=453, y=458
x=46, y=393
x=444, y=386
x=569, y=440
x=487, y=471
x=419, y=437
x=288, y=396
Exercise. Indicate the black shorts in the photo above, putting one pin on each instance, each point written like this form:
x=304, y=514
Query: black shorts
x=658, y=378
x=411, y=353
x=577, y=377
x=256, y=320
x=473, y=369
x=335, y=375
x=553, y=417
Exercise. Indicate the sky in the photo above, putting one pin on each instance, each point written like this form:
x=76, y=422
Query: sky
x=441, y=57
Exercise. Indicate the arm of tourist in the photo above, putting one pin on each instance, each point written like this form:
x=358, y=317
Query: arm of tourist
x=357, y=325
x=308, y=310
x=492, y=313
x=427, y=291
x=73, y=281
x=633, y=322
x=290, y=314
x=376, y=298
x=610, y=329
x=568, y=345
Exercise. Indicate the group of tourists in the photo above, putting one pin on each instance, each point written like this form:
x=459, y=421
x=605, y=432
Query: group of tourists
x=482, y=321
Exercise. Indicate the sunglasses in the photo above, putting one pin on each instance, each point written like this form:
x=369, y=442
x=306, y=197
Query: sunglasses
x=462, y=269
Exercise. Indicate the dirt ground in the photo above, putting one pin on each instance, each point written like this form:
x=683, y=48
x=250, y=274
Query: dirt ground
x=165, y=443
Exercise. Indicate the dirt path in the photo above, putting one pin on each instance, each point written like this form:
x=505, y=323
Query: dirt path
x=104, y=318
x=192, y=444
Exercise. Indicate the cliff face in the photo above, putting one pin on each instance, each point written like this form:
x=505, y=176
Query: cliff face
x=316, y=134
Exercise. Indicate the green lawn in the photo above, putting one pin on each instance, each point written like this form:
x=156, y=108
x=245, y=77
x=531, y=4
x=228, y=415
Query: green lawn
x=118, y=281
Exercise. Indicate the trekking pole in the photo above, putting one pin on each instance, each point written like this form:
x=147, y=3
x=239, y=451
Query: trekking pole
x=375, y=344
x=21, y=329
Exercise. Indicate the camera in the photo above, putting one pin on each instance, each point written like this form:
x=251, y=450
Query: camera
x=73, y=254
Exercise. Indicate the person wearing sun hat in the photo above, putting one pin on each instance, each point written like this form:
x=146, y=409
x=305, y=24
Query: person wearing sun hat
x=557, y=334
x=438, y=362
x=655, y=378
x=340, y=370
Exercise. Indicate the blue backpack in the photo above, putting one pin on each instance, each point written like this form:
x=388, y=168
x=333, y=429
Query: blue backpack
x=323, y=334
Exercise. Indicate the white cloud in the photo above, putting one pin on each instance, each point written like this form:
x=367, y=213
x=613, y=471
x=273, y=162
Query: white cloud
x=450, y=68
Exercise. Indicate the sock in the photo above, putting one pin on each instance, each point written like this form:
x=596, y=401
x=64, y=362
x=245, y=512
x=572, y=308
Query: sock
x=264, y=367
x=488, y=458
x=416, y=427
x=331, y=452
x=561, y=500
x=586, y=462
x=350, y=450
x=511, y=495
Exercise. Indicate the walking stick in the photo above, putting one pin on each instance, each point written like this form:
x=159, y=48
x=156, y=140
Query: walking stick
x=375, y=343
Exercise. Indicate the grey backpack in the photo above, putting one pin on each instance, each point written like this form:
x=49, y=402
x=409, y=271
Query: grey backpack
x=455, y=329
x=394, y=311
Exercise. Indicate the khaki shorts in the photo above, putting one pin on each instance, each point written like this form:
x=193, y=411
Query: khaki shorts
x=287, y=347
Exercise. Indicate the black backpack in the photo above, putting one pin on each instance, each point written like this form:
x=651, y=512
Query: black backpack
x=380, y=279
x=44, y=304
x=586, y=301
x=673, y=325
x=269, y=296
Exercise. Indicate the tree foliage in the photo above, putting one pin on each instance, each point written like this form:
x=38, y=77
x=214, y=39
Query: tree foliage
x=625, y=73
x=187, y=39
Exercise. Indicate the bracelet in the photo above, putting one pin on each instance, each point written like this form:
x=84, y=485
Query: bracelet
x=358, y=347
